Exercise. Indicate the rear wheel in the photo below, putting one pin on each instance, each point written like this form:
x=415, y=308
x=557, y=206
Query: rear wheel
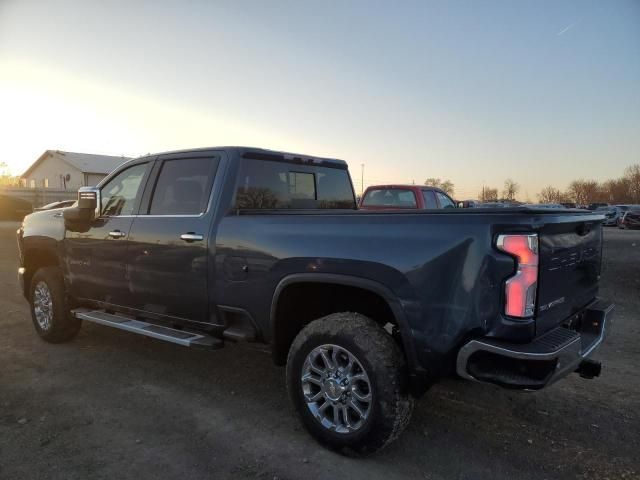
x=50, y=313
x=347, y=380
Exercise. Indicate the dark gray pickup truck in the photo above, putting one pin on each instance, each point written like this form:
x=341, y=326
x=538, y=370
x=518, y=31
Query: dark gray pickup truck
x=367, y=309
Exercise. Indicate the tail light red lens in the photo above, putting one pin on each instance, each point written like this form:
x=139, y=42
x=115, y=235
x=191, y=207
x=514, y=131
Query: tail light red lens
x=520, y=289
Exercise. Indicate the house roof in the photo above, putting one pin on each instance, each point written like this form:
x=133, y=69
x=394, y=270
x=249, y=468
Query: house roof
x=85, y=162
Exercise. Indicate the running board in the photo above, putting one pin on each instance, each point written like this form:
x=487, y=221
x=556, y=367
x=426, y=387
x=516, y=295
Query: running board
x=181, y=337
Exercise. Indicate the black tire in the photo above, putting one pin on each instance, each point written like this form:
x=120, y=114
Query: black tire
x=62, y=326
x=381, y=359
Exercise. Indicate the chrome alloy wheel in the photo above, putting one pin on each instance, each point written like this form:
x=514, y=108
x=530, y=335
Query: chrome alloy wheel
x=43, y=305
x=336, y=388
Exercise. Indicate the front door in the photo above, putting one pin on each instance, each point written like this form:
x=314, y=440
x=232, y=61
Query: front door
x=95, y=259
x=168, y=255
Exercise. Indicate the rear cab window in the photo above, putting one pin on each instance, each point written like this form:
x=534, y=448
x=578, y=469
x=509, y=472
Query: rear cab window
x=390, y=198
x=266, y=184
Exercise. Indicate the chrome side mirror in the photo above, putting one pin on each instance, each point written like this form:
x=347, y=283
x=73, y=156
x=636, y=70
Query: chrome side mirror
x=79, y=218
x=89, y=199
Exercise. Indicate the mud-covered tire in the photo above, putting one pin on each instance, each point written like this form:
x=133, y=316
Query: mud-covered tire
x=381, y=359
x=57, y=325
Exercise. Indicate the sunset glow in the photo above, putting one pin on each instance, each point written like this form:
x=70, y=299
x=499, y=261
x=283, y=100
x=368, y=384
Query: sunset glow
x=527, y=92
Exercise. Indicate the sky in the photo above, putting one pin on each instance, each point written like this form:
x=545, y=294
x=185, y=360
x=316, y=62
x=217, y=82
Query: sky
x=542, y=92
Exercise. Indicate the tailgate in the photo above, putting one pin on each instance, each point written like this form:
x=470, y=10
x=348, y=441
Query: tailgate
x=570, y=260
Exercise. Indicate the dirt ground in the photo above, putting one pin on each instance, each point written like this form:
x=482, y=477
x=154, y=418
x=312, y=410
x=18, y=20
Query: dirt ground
x=115, y=405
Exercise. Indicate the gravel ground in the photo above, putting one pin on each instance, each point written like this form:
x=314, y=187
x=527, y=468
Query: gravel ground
x=115, y=405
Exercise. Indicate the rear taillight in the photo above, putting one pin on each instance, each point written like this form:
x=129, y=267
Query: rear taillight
x=520, y=289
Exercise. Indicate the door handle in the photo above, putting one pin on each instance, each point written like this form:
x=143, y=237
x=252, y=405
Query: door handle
x=117, y=234
x=191, y=237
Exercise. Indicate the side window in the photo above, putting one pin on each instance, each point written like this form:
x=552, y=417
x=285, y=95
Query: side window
x=429, y=199
x=266, y=184
x=119, y=195
x=445, y=202
x=407, y=198
x=183, y=186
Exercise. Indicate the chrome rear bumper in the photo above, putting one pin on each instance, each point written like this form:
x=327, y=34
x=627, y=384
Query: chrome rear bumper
x=546, y=359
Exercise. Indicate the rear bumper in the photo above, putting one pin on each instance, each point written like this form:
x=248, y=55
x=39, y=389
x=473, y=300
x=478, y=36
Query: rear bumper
x=546, y=359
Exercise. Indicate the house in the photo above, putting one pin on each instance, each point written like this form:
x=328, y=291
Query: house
x=69, y=170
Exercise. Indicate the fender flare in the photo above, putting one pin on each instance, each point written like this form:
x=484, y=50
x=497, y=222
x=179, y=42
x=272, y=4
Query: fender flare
x=373, y=286
x=37, y=245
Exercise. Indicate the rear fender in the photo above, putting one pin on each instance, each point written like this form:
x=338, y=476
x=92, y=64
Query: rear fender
x=394, y=303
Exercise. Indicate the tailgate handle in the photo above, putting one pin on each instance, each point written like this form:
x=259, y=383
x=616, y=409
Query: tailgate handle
x=583, y=229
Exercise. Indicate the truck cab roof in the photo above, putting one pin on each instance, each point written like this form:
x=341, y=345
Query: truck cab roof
x=261, y=154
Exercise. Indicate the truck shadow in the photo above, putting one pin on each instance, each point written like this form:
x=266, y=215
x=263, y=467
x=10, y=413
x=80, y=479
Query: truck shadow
x=235, y=401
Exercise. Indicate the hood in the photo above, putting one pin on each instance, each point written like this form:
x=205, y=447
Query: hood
x=45, y=223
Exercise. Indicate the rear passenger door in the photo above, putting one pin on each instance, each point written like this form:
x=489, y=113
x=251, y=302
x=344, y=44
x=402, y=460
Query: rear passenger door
x=168, y=252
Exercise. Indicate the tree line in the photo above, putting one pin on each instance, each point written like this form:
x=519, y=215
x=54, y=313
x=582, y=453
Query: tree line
x=625, y=189
x=621, y=190
x=5, y=177
x=509, y=192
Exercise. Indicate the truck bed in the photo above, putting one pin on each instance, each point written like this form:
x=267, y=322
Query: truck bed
x=442, y=265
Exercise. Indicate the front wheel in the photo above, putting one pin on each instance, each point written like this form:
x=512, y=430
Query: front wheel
x=50, y=313
x=347, y=380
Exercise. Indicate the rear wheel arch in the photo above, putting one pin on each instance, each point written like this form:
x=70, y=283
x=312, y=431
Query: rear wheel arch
x=283, y=329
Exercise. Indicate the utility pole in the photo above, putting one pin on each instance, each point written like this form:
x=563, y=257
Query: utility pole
x=361, y=179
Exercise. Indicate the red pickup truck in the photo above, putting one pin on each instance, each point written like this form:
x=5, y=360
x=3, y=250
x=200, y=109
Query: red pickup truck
x=388, y=197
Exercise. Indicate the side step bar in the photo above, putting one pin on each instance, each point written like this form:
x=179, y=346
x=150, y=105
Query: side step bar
x=181, y=337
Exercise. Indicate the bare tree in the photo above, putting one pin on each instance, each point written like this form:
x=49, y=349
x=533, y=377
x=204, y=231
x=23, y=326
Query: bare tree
x=257, y=198
x=625, y=189
x=444, y=185
x=616, y=191
x=584, y=192
x=511, y=189
x=632, y=174
x=5, y=176
x=550, y=194
x=488, y=194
